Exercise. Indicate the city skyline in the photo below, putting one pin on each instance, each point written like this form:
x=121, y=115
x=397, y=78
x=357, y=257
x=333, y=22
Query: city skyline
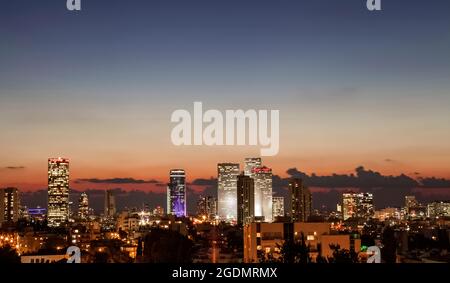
x=391, y=195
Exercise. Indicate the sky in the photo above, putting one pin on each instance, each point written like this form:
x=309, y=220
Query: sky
x=353, y=87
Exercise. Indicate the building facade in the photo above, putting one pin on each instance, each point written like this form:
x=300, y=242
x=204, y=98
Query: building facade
x=207, y=207
x=58, y=191
x=266, y=238
x=263, y=192
x=176, y=198
x=110, y=204
x=246, y=199
x=438, y=209
x=9, y=205
x=250, y=164
x=227, y=174
x=301, y=200
x=357, y=205
x=83, y=206
x=277, y=207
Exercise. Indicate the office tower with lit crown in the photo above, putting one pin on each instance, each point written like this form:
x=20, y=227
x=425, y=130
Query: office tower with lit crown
x=9, y=205
x=245, y=199
x=301, y=200
x=177, y=193
x=110, y=204
x=357, y=205
x=58, y=191
x=207, y=207
x=227, y=174
x=83, y=206
x=277, y=207
x=263, y=192
x=250, y=164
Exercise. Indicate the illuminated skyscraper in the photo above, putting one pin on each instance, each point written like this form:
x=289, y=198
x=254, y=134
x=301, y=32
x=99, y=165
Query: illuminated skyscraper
x=277, y=207
x=359, y=205
x=83, y=206
x=245, y=199
x=227, y=190
x=250, y=164
x=58, y=191
x=110, y=203
x=176, y=193
x=263, y=192
x=365, y=208
x=301, y=200
x=9, y=205
x=207, y=207
x=349, y=205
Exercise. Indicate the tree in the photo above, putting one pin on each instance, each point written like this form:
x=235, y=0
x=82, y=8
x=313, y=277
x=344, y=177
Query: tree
x=295, y=251
x=101, y=257
x=8, y=255
x=343, y=255
x=389, y=251
x=165, y=246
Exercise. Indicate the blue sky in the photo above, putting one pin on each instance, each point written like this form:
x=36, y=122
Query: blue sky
x=353, y=87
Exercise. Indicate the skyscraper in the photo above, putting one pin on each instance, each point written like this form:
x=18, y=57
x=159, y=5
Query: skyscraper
x=277, y=207
x=83, y=206
x=110, y=204
x=227, y=190
x=250, y=164
x=58, y=191
x=365, y=208
x=207, y=207
x=176, y=193
x=9, y=205
x=359, y=205
x=245, y=200
x=349, y=205
x=263, y=192
x=301, y=200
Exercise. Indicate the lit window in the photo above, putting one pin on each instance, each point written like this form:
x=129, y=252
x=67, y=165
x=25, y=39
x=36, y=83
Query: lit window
x=310, y=238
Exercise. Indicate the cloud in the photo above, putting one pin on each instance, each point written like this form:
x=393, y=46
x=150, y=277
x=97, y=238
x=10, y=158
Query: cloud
x=366, y=179
x=116, y=181
x=15, y=167
x=433, y=182
x=204, y=182
x=388, y=160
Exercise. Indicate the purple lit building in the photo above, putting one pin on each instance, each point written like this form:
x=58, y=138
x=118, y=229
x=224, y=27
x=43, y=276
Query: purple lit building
x=176, y=193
